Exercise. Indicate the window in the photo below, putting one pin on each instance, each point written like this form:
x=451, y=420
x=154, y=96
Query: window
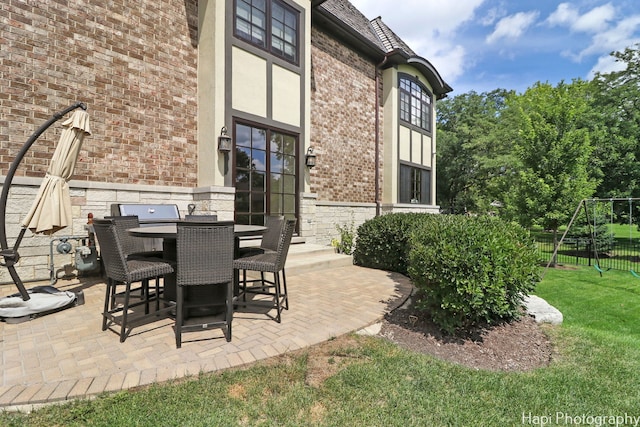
x=415, y=185
x=415, y=103
x=269, y=24
x=265, y=174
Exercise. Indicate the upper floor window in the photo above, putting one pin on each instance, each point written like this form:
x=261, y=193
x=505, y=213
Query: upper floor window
x=415, y=103
x=270, y=25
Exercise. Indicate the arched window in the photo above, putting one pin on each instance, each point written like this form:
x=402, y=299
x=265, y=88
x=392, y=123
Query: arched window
x=415, y=103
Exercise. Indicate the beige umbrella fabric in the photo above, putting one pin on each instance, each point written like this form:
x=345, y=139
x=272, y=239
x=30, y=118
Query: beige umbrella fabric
x=51, y=210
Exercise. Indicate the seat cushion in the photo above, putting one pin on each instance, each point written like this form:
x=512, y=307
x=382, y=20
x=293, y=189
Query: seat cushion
x=253, y=250
x=154, y=255
x=144, y=269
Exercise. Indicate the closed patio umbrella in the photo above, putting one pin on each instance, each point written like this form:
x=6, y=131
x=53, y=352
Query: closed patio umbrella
x=59, y=172
x=51, y=210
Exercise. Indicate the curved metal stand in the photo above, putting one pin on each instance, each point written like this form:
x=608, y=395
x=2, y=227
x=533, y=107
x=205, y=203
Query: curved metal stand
x=11, y=256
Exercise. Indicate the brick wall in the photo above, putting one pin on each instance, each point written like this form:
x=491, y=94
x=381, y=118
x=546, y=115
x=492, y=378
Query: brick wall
x=133, y=64
x=342, y=122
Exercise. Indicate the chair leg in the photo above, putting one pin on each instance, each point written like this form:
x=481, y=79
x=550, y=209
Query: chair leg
x=244, y=285
x=229, y=306
x=286, y=294
x=276, y=285
x=157, y=283
x=112, y=298
x=107, y=303
x=145, y=293
x=179, y=314
x=125, y=313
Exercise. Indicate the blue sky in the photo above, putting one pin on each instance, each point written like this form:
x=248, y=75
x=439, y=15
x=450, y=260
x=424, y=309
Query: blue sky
x=482, y=45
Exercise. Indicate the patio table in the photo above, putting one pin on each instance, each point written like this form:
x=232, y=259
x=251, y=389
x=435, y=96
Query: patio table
x=168, y=233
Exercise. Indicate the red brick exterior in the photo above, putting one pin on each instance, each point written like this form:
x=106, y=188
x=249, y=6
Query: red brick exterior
x=133, y=63
x=342, y=121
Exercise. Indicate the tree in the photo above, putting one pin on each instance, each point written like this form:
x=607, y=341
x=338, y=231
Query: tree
x=616, y=126
x=469, y=153
x=552, y=151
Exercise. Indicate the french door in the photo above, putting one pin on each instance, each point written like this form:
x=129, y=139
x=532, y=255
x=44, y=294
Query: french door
x=265, y=170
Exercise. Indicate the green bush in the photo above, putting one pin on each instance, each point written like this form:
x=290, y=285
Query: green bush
x=383, y=241
x=472, y=271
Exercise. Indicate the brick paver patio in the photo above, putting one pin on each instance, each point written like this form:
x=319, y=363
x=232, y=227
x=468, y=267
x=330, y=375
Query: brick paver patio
x=66, y=355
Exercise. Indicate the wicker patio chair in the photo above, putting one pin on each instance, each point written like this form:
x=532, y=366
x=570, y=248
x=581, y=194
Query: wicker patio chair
x=132, y=246
x=204, y=258
x=120, y=271
x=268, y=262
x=270, y=238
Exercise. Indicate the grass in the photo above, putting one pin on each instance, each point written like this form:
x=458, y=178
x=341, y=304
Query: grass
x=595, y=373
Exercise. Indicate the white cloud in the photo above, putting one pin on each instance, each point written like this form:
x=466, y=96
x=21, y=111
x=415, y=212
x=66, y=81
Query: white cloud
x=409, y=19
x=615, y=38
x=607, y=35
x=432, y=41
x=596, y=20
x=512, y=27
x=492, y=16
x=564, y=14
x=606, y=64
x=450, y=61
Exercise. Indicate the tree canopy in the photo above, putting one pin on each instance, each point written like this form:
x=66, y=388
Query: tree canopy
x=533, y=156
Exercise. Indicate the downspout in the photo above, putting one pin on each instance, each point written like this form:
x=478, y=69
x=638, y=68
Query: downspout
x=377, y=139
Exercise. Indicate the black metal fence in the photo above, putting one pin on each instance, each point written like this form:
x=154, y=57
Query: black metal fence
x=621, y=254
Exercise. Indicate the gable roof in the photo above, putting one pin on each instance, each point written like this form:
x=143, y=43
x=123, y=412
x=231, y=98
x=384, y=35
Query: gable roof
x=374, y=38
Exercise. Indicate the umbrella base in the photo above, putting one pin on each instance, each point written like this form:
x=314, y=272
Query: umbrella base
x=44, y=300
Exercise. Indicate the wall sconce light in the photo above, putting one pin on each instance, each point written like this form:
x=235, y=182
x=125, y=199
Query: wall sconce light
x=224, y=141
x=310, y=158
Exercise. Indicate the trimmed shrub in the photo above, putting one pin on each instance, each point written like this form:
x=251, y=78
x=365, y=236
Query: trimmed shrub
x=383, y=241
x=472, y=271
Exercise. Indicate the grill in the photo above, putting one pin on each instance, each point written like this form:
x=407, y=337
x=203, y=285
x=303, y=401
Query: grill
x=148, y=215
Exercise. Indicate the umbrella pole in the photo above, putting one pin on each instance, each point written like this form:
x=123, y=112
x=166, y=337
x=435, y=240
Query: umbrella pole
x=11, y=256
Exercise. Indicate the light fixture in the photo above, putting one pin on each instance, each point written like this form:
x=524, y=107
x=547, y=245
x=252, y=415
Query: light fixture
x=310, y=158
x=224, y=141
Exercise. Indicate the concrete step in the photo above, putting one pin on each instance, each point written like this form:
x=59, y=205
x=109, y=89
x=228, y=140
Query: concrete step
x=304, y=257
x=310, y=257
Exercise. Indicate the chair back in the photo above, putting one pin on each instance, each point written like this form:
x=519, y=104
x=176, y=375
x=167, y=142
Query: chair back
x=284, y=243
x=204, y=253
x=130, y=244
x=212, y=217
x=111, y=251
x=271, y=236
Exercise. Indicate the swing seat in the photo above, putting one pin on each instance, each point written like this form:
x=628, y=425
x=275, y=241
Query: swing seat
x=600, y=270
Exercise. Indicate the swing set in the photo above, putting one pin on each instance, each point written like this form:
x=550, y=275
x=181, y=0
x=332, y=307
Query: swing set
x=593, y=224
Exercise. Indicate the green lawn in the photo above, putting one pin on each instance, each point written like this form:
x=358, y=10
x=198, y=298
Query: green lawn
x=595, y=373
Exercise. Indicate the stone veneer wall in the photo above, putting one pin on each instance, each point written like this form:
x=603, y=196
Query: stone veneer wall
x=322, y=218
x=96, y=198
x=329, y=215
x=406, y=208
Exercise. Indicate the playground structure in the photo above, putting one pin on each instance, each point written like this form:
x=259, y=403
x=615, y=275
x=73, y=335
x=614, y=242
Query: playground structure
x=603, y=233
